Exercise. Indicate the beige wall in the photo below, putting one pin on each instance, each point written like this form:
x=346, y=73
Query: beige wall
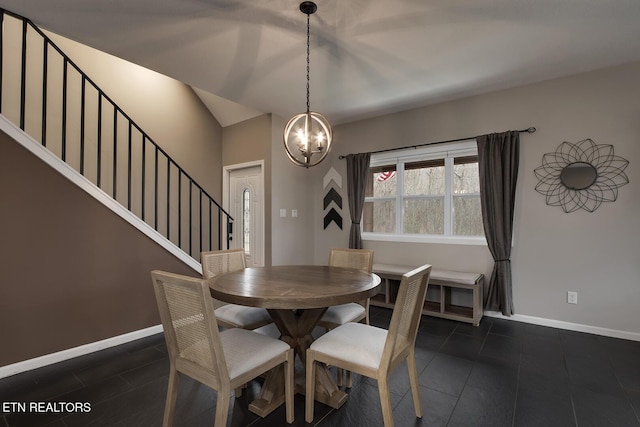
x=72, y=272
x=596, y=254
x=166, y=109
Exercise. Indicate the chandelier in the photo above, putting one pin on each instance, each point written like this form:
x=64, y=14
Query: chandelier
x=307, y=136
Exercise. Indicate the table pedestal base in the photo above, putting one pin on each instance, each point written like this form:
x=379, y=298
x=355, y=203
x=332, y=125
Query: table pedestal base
x=296, y=329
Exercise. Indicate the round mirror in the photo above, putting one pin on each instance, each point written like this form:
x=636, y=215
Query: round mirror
x=578, y=175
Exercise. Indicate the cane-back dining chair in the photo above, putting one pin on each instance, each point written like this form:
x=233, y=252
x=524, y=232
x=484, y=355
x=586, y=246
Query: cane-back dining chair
x=223, y=360
x=232, y=315
x=361, y=259
x=372, y=351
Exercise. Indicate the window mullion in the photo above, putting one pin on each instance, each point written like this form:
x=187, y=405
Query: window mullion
x=400, y=198
x=448, y=196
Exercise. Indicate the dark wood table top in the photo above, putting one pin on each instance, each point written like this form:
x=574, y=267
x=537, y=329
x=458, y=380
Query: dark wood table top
x=294, y=286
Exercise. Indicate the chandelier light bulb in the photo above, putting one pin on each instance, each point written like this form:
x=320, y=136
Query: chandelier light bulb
x=307, y=138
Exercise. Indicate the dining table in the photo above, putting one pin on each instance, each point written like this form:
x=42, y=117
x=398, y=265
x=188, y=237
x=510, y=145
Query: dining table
x=296, y=297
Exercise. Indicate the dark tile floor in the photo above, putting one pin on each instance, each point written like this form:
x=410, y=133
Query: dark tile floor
x=501, y=373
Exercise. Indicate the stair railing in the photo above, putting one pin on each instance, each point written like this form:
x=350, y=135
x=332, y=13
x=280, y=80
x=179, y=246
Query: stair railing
x=51, y=91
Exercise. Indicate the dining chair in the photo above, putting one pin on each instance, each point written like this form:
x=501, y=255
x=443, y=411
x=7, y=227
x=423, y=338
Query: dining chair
x=375, y=352
x=232, y=315
x=361, y=259
x=223, y=360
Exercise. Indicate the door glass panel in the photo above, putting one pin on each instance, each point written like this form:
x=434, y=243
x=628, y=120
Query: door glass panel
x=246, y=216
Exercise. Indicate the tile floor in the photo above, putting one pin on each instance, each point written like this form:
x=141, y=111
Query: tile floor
x=501, y=373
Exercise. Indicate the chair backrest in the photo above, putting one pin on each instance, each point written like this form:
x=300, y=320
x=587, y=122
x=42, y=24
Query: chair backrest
x=406, y=313
x=218, y=262
x=189, y=324
x=362, y=259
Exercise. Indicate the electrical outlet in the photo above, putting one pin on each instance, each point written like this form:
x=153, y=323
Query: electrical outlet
x=572, y=297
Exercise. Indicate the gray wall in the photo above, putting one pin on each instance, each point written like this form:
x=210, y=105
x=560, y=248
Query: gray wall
x=293, y=238
x=596, y=254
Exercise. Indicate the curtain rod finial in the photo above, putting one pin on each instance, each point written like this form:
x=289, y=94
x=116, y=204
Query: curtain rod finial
x=531, y=129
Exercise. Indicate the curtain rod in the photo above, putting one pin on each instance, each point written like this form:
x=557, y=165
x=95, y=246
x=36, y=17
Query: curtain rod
x=528, y=130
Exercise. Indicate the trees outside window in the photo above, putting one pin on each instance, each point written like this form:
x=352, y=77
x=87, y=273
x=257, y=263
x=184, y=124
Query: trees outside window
x=430, y=192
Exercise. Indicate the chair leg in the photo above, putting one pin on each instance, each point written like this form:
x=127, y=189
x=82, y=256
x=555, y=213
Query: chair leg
x=310, y=386
x=413, y=379
x=238, y=391
x=366, y=307
x=222, y=408
x=385, y=402
x=349, y=380
x=288, y=386
x=172, y=396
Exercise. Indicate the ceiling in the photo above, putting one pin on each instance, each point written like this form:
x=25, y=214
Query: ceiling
x=368, y=57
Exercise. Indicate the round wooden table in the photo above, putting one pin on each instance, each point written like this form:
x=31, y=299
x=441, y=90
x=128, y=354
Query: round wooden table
x=309, y=290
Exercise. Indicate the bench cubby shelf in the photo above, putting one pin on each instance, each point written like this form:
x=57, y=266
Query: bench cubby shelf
x=442, y=280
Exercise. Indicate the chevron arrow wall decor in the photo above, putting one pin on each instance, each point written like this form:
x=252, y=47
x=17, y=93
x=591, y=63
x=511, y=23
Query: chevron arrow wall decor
x=334, y=216
x=332, y=196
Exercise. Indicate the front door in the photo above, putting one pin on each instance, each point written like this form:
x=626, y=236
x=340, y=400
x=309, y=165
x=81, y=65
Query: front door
x=246, y=206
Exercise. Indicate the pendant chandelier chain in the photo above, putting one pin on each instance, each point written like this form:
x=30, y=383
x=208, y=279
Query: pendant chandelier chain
x=308, y=68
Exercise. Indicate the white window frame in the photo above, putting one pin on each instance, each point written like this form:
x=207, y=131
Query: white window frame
x=399, y=158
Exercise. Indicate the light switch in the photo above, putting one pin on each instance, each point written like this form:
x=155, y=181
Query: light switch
x=283, y=213
x=294, y=213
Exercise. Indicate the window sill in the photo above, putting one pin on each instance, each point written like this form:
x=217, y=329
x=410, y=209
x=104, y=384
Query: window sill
x=416, y=238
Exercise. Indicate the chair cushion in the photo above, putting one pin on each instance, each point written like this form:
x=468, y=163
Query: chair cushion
x=455, y=276
x=244, y=350
x=355, y=342
x=270, y=330
x=343, y=313
x=242, y=315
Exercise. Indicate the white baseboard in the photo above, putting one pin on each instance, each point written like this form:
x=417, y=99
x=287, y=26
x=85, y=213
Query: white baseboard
x=49, y=359
x=560, y=324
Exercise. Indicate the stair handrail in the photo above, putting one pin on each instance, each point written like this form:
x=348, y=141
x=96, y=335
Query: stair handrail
x=117, y=110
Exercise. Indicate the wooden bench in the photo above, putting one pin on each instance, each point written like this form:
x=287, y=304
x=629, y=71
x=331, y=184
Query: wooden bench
x=445, y=280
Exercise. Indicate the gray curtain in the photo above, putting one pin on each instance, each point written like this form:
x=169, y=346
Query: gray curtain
x=498, y=155
x=357, y=174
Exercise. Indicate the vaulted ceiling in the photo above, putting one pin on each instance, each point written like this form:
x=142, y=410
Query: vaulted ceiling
x=368, y=57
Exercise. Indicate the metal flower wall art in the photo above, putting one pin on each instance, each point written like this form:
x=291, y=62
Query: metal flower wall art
x=581, y=175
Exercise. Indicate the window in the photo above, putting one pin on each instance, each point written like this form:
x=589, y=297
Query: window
x=422, y=194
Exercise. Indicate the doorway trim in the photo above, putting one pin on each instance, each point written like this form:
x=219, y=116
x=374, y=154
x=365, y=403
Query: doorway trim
x=226, y=178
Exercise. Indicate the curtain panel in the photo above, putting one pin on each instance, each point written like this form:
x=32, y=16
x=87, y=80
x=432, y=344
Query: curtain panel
x=357, y=174
x=498, y=158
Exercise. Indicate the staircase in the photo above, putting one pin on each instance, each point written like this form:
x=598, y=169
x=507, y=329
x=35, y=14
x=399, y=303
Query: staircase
x=78, y=129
